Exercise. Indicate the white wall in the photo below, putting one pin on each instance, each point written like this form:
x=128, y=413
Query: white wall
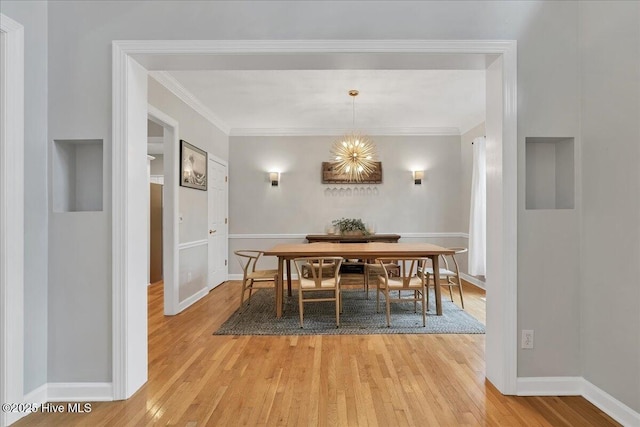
x=33, y=16
x=610, y=235
x=301, y=204
x=548, y=105
x=193, y=204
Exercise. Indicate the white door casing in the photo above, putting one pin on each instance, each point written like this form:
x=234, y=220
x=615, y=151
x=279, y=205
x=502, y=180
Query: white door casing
x=501, y=372
x=218, y=235
x=11, y=216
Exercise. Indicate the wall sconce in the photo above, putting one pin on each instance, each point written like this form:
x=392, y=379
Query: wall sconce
x=417, y=177
x=274, y=177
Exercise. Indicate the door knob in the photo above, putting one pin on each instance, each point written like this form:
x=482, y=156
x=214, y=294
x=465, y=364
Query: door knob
x=212, y=231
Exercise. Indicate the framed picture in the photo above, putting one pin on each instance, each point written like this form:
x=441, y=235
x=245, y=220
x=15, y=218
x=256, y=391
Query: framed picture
x=193, y=166
x=331, y=176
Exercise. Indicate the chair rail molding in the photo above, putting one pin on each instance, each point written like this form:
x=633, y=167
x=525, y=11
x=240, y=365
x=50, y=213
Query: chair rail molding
x=501, y=336
x=11, y=216
x=193, y=244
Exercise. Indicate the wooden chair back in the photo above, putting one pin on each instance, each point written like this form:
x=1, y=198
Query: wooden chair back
x=248, y=260
x=408, y=268
x=316, y=271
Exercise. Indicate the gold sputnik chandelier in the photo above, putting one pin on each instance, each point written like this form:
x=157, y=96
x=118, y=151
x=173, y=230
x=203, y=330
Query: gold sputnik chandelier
x=354, y=154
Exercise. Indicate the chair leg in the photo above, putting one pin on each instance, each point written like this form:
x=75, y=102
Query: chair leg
x=366, y=282
x=250, y=286
x=427, y=290
x=424, y=310
x=275, y=288
x=450, y=293
x=387, y=297
x=377, y=299
x=300, y=307
x=338, y=307
x=460, y=289
x=246, y=284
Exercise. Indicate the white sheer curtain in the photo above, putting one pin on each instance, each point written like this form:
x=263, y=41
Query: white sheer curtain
x=478, y=210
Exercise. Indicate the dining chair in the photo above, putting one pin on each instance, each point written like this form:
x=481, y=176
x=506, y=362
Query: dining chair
x=248, y=260
x=448, y=277
x=372, y=268
x=407, y=280
x=317, y=280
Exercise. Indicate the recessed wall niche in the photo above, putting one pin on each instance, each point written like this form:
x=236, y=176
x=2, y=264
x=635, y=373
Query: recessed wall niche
x=550, y=169
x=77, y=175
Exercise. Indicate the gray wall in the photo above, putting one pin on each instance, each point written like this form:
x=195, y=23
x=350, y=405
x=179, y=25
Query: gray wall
x=192, y=204
x=33, y=16
x=610, y=235
x=157, y=164
x=548, y=252
x=301, y=204
x=549, y=95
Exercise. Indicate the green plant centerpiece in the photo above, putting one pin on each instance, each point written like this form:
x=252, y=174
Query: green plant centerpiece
x=351, y=226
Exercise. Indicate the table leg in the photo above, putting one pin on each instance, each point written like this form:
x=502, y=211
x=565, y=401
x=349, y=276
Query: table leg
x=279, y=287
x=436, y=279
x=289, y=276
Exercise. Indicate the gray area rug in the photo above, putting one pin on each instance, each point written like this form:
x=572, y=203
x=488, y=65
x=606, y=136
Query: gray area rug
x=358, y=317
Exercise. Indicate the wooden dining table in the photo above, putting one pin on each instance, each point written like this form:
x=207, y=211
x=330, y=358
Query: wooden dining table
x=286, y=252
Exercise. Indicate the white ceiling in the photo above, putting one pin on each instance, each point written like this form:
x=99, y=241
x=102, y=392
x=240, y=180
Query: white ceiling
x=248, y=101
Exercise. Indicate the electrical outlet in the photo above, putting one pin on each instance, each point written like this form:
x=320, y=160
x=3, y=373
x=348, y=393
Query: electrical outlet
x=189, y=278
x=527, y=338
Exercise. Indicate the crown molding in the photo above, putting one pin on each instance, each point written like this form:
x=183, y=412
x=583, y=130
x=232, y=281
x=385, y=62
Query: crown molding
x=395, y=131
x=204, y=47
x=468, y=128
x=174, y=86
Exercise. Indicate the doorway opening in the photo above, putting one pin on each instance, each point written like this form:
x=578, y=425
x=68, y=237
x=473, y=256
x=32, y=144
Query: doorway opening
x=133, y=60
x=167, y=147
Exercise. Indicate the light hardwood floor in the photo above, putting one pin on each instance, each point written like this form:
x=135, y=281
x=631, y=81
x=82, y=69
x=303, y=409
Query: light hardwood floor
x=196, y=378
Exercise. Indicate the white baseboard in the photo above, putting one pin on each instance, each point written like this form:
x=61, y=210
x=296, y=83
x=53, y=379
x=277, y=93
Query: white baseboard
x=79, y=392
x=64, y=392
x=578, y=386
x=39, y=395
x=473, y=280
x=35, y=397
x=610, y=405
x=549, y=386
x=13, y=417
x=194, y=298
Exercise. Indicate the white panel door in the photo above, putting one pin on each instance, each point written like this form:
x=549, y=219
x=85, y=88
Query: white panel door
x=217, y=193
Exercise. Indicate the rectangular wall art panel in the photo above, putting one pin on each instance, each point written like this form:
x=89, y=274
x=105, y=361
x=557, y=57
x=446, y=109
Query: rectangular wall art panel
x=331, y=176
